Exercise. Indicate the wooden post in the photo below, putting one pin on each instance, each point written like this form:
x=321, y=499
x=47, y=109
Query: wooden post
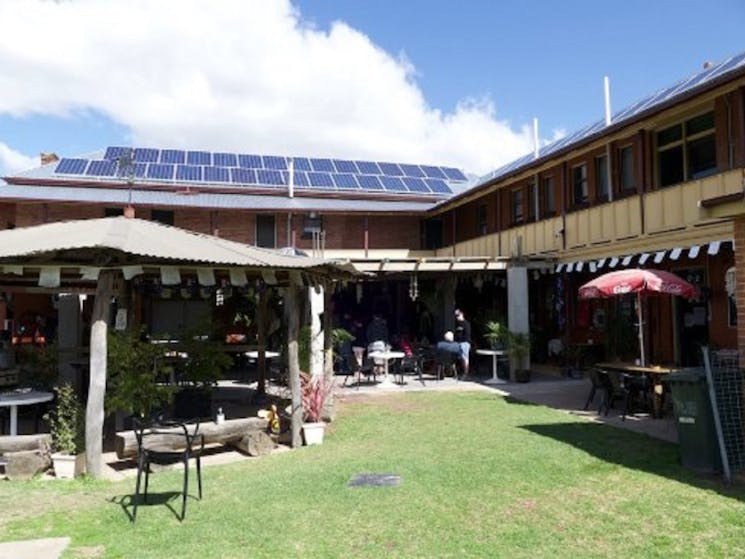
x=262, y=310
x=94, y=411
x=293, y=321
x=328, y=342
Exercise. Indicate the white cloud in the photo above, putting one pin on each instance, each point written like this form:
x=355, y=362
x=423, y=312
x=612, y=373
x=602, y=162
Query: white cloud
x=12, y=161
x=245, y=75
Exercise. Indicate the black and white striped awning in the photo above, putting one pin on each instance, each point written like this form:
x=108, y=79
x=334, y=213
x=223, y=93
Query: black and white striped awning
x=644, y=259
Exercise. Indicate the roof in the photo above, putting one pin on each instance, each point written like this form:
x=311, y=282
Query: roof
x=714, y=75
x=164, y=169
x=257, y=202
x=75, y=243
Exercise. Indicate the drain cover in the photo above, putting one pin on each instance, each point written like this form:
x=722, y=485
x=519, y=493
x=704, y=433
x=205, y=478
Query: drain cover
x=377, y=480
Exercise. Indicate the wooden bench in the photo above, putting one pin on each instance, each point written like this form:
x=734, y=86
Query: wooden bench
x=230, y=432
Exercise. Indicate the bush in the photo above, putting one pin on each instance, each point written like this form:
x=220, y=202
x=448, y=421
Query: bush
x=67, y=422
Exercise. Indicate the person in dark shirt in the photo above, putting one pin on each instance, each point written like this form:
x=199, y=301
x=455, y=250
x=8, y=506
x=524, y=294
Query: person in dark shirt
x=463, y=338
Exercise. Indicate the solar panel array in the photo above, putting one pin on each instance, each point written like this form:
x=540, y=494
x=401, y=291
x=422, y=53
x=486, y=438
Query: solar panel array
x=219, y=168
x=662, y=96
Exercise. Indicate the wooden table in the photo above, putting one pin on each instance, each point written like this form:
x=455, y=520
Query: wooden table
x=655, y=373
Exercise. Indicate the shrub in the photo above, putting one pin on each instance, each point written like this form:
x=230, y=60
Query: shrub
x=67, y=422
x=315, y=393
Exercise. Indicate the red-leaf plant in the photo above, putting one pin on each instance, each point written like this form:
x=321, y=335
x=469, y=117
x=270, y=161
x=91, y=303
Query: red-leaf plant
x=315, y=392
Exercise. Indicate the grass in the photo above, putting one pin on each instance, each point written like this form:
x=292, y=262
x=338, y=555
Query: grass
x=482, y=477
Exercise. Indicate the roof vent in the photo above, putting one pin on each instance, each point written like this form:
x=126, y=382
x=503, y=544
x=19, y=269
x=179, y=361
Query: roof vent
x=708, y=64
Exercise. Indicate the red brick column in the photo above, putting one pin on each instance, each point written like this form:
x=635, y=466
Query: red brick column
x=740, y=267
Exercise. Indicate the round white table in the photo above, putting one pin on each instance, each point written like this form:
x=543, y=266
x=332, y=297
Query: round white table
x=386, y=356
x=495, y=354
x=267, y=354
x=19, y=398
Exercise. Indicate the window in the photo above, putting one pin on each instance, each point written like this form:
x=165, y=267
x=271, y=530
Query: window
x=481, y=220
x=548, y=201
x=531, y=202
x=265, y=231
x=517, y=206
x=579, y=185
x=602, y=185
x=432, y=234
x=113, y=212
x=687, y=150
x=626, y=158
x=162, y=216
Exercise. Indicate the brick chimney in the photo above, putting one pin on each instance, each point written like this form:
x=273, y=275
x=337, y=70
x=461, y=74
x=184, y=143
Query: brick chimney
x=47, y=158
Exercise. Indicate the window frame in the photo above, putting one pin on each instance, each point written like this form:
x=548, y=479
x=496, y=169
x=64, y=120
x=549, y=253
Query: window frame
x=547, y=186
x=482, y=220
x=623, y=188
x=516, y=193
x=583, y=184
x=602, y=178
x=683, y=143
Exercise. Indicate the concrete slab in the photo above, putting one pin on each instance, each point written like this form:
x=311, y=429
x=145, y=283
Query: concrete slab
x=47, y=548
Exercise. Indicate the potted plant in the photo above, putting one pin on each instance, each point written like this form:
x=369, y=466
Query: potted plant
x=66, y=424
x=518, y=347
x=315, y=393
x=495, y=334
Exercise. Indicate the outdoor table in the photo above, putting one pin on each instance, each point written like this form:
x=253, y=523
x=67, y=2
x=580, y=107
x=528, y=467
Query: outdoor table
x=495, y=355
x=19, y=397
x=655, y=373
x=386, y=356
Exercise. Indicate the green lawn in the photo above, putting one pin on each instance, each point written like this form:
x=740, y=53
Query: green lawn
x=482, y=477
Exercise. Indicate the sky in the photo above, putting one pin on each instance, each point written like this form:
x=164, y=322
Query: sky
x=419, y=81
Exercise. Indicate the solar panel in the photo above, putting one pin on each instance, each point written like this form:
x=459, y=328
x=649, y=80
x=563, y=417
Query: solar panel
x=146, y=155
x=105, y=168
x=243, y=176
x=225, y=160
x=216, y=174
x=301, y=179
x=415, y=184
x=321, y=180
x=70, y=166
x=438, y=185
x=391, y=169
x=161, y=171
x=249, y=161
x=189, y=172
x=345, y=180
x=368, y=168
x=412, y=170
x=176, y=156
x=454, y=174
x=433, y=172
x=322, y=166
x=393, y=183
x=270, y=177
x=301, y=164
x=199, y=158
x=274, y=162
x=114, y=152
x=344, y=166
x=370, y=182
x=138, y=170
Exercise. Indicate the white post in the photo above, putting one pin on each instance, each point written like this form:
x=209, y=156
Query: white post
x=606, y=87
x=643, y=359
x=315, y=295
x=536, y=148
x=518, y=305
x=291, y=178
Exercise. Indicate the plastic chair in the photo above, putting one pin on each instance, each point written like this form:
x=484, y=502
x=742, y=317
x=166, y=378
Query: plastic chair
x=166, y=442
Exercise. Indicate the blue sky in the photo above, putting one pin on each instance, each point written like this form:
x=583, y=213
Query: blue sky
x=421, y=81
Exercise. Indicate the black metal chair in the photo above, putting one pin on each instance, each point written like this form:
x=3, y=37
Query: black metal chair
x=600, y=384
x=447, y=362
x=411, y=365
x=167, y=442
x=629, y=389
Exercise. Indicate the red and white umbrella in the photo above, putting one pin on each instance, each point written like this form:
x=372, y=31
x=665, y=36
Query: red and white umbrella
x=638, y=281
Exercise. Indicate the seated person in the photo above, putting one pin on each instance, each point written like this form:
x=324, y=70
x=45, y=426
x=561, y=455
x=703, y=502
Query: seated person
x=448, y=345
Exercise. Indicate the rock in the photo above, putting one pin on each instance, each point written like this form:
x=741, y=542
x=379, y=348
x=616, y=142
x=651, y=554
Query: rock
x=25, y=464
x=255, y=443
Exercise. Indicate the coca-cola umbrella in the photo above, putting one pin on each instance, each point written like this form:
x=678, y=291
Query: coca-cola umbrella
x=638, y=281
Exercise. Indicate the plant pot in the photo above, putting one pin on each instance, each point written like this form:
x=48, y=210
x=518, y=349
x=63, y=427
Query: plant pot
x=68, y=466
x=192, y=403
x=313, y=432
x=522, y=375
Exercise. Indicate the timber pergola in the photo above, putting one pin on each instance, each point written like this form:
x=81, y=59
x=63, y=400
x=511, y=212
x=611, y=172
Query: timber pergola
x=104, y=252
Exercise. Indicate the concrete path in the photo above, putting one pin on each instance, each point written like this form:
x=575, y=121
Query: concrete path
x=47, y=548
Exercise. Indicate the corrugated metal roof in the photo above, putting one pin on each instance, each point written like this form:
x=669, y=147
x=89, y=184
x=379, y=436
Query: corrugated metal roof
x=204, y=200
x=148, y=239
x=649, y=103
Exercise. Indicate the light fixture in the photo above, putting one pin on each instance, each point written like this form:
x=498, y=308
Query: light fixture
x=413, y=287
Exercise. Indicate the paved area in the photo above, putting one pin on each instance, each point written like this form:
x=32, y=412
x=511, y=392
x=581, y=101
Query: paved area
x=47, y=548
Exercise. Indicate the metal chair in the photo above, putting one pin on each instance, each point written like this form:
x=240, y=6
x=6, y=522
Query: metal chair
x=411, y=365
x=628, y=388
x=600, y=381
x=167, y=442
x=447, y=362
